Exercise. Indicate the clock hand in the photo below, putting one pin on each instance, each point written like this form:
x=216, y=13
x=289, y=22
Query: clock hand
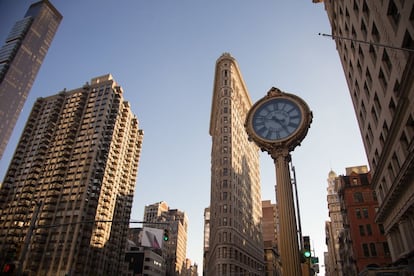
x=282, y=122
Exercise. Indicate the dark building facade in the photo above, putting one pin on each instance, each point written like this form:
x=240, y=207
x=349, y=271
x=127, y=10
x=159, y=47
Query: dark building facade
x=20, y=59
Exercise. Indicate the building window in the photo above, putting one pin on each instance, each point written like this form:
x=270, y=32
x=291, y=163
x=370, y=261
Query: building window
x=366, y=89
x=404, y=143
x=363, y=29
x=363, y=109
x=381, y=191
x=358, y=213
x=373, y=53
x=369, y=79
x=361, y=230
x=391, y=107
x=382, y=79
x=365, y=249
x=408, y=41
x=356, y=8
x=391, y=173
x=370, y=133
x=386, y=249
x=224, y=268
x=385, y=129
x=359, y=68
x=393, y=13
x=375, y=33
x=377, y=103
x=381, y=229
x=373, y=249
x=410, y=129
x=382, y=140
x=369, y=229
x=396, y=89
x=358, y=197
x=361, y=117
x=365, y=9
x=395, y=162
x=365, y=212
x=374, y=115
x=386, y=60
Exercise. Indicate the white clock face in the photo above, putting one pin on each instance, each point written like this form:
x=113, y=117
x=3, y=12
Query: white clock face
x=276, y=119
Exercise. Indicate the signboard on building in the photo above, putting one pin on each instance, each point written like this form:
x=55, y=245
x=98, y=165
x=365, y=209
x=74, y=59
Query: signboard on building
x=152, y=237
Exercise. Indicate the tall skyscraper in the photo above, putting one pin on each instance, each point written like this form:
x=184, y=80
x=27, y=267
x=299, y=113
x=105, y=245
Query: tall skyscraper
x=73, y=174
x=235, y=236
x=175, y=221
x=20, y=59
x=374, y=40
x=333, y=228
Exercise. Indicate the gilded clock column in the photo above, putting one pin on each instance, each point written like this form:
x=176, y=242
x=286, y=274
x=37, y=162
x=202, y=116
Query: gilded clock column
x=288, y=236
x=278, y=123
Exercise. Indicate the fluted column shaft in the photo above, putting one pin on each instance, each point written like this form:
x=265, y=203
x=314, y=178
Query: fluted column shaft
x=288, y=237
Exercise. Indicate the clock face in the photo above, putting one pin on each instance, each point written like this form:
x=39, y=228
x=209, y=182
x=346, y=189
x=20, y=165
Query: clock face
x=276, y=119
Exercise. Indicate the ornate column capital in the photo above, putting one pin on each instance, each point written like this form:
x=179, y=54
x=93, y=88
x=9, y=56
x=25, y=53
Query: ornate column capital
x=278, y=152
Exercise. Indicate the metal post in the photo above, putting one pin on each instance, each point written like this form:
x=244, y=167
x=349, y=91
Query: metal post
x=297, y=207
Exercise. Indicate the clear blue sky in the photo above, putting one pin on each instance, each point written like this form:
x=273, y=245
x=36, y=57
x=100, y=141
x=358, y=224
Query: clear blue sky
x=163, y=54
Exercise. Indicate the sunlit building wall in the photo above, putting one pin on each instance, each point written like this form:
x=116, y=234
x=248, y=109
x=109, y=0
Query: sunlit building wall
x=20, y=59
x=77, y=160
x=380, y=74
x=235, y=237
x=153, y=211
x=174, y=251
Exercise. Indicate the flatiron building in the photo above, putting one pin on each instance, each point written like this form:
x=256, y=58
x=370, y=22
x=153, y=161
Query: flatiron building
x=73, y=176
x=20, y=59
x=235, y=236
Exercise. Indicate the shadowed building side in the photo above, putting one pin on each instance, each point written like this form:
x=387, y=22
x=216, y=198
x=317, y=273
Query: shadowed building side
x=20, y=59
